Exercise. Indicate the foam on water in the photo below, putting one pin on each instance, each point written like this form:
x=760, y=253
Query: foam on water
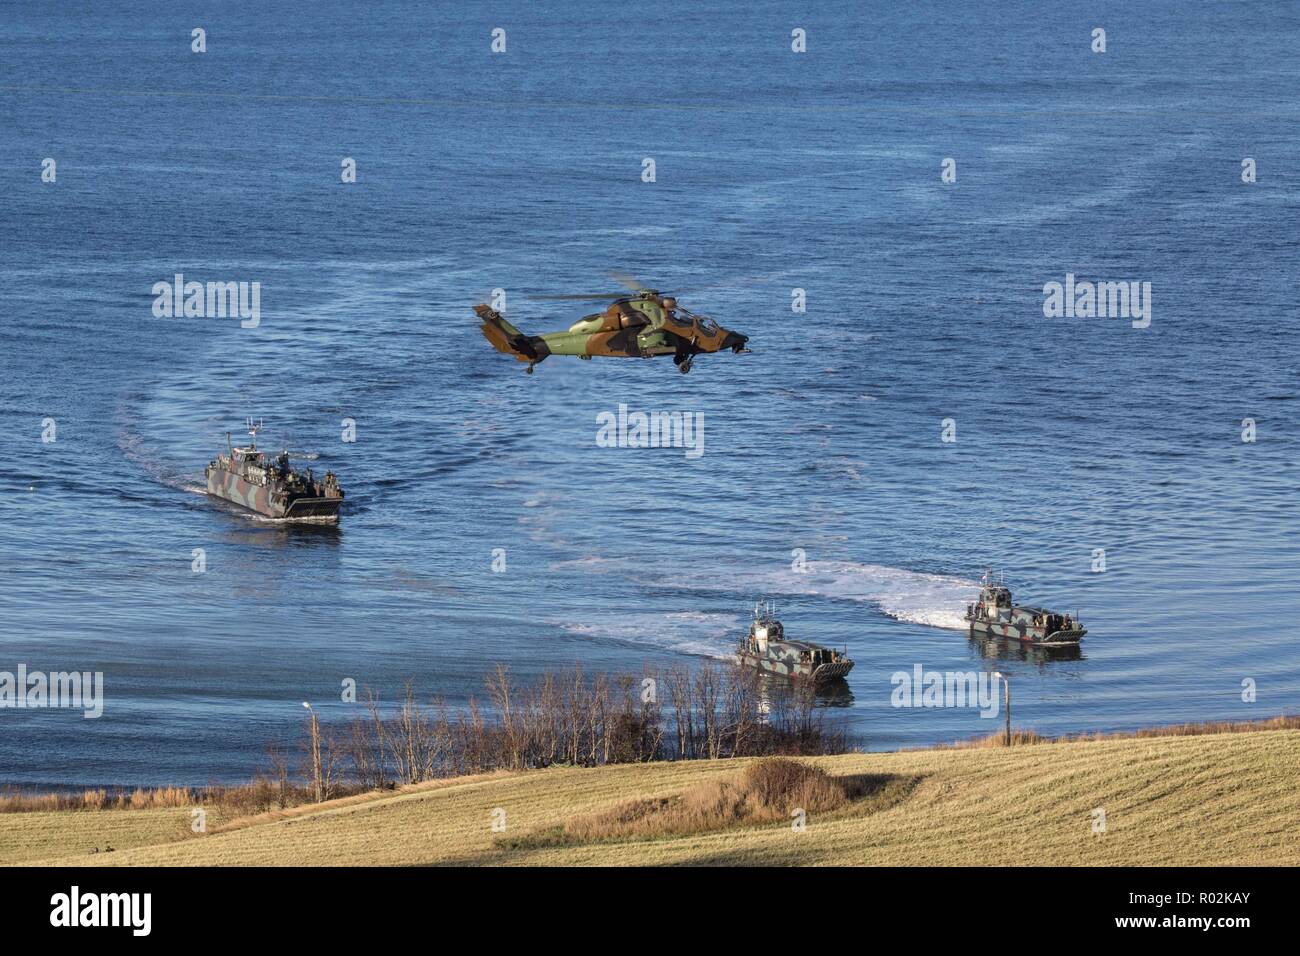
x=936, y=600
x=917, y=597
x=688, y=632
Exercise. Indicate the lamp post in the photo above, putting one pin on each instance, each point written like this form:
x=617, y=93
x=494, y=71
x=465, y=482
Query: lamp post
x=315, y=753
x=1006, y=682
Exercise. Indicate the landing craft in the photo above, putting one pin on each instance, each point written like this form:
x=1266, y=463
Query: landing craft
x=642, y=325
x=270, y=487
x=994, y=615
x=767, y=648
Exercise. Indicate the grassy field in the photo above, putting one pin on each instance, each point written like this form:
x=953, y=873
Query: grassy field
x=1197, y=800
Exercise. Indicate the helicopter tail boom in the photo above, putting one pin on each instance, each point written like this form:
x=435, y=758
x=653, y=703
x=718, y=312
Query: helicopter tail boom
x=508, y=339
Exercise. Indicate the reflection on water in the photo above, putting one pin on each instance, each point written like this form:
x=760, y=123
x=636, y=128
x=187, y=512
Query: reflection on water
x=776, y=691
x=835, y=693
x=1003, y=649
x=251, y=530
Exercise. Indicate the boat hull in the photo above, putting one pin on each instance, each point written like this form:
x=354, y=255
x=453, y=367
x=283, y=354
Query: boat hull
x=259, y=499
x=820, y=674
x=1026, y=632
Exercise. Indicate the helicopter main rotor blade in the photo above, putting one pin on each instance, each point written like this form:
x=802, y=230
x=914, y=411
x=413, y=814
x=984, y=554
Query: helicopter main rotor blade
x=579, y=297
x=627, y=281
x=736, y=282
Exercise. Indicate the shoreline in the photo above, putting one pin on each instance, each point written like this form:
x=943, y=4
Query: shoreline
x=13, y=797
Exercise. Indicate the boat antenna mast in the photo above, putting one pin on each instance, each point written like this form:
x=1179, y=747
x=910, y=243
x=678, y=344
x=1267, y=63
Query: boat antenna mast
x=252, y=431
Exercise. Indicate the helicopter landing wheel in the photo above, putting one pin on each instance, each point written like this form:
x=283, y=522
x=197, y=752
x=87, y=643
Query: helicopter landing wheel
x=529, y=370
x=683, y=362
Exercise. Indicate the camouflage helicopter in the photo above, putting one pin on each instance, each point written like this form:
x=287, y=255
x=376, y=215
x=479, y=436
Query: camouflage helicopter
x=641, y=325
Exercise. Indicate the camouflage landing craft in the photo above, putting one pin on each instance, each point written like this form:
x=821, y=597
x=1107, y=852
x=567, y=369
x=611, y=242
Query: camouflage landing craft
x=269, y=486
x=994, y=615
x=641, y=325
x=767, y=648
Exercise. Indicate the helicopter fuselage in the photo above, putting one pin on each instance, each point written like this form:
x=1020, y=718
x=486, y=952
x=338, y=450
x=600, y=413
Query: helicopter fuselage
x=641, y=326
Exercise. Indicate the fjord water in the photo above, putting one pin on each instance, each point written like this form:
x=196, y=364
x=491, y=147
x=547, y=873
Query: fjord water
x=522, y=171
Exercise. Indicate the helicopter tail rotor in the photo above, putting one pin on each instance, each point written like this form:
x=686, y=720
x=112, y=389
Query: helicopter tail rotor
x=508, y=339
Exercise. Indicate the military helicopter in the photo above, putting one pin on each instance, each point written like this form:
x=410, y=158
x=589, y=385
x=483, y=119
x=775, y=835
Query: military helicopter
x=641, y=325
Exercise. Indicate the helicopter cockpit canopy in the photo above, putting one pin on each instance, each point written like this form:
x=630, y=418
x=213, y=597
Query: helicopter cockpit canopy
x=701, y=322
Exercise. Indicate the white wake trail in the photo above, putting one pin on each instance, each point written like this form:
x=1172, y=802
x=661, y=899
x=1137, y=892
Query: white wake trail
x=688, y=632
x=936, y=600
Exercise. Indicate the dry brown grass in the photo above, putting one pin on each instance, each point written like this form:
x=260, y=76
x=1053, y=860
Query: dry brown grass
x=1281, y=722
x=1018, y=738
x=767, y=791
x=1023, y=737
x=763, y=792
x=138, y=799
x=1202, y=800
x=256, y=797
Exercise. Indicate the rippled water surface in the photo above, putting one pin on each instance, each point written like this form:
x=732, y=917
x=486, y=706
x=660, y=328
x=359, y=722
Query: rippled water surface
x=522, y=171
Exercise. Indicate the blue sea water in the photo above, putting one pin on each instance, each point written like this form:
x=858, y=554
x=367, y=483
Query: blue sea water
x=522, y=171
